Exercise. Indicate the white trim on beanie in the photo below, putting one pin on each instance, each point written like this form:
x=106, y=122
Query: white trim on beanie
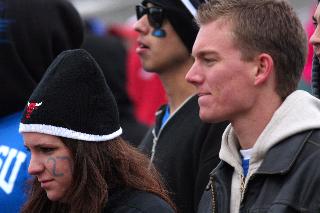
x=67, y=133
x=190, y=7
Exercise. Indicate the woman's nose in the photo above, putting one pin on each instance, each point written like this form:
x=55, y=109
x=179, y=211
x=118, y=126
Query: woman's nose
x=35, y=166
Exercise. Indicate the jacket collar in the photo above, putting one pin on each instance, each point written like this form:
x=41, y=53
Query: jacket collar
x=190, y=103
x=281, y=157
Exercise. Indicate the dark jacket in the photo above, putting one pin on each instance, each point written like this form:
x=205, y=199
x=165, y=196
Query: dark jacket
x=186, y=151
x=134, y=201
x=287, y=181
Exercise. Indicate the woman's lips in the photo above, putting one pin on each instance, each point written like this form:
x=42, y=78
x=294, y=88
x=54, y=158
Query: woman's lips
x=45, y=183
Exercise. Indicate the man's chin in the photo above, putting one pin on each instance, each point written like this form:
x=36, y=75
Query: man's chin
x=206, y=119
x=151, y=69
x=210, y=119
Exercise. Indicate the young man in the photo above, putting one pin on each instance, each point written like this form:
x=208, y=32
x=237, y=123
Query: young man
x=32, y=34
x=183, y=148
x=249, y=55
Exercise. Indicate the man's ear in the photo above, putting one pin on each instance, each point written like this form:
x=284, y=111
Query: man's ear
x=265, y=68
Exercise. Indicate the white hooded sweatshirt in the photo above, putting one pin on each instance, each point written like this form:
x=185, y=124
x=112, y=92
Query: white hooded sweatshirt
x=299, y=112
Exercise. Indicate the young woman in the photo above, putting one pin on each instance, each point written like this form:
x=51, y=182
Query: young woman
x=78, y=158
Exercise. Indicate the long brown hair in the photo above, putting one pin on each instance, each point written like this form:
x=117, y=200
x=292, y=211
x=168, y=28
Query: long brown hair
x=98, y=168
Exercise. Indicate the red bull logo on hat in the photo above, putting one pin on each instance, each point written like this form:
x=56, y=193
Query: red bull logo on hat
x=31, y=107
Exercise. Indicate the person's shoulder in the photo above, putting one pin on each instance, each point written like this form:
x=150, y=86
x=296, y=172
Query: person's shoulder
x=312, y=150
x=315, y=137
x=140, y=201
x=9, y=126
x=136, y=201
x=310, y=140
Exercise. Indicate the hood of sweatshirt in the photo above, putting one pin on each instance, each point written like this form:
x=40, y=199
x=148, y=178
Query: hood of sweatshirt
x=299, y=112
x=32, y=34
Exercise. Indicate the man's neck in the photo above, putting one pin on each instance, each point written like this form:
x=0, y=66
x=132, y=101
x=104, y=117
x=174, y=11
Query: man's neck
x=249, y=126
x=176, y=87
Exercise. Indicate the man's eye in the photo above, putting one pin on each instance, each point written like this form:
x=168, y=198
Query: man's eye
x=315, y=24
x=209, y=60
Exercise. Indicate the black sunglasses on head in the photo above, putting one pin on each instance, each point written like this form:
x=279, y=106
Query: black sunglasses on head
x=155, y=15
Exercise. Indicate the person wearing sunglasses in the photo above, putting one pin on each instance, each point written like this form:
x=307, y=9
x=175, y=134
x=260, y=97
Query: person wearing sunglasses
x=182, y=148
x=155, y=18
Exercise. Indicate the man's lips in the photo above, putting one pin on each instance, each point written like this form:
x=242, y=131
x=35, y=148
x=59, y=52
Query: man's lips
x=200, y=94
x=142, y=46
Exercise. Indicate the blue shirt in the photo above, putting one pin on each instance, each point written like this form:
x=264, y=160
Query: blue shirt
x=245, y=155
x=245, y=166
x=165, y=116
x=14, y=160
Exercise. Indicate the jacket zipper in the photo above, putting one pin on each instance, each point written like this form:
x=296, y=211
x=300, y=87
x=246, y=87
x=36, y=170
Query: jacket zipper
x=155, y=140
x=154, y=144
x=242, y=187
x=213, y=194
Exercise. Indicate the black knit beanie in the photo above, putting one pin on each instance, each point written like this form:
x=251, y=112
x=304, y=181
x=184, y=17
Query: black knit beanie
x=180, y=14
x=32, y=34
x=73, y=100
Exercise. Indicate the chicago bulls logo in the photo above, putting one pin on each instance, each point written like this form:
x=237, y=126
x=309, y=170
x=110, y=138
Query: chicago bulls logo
x=31, y=107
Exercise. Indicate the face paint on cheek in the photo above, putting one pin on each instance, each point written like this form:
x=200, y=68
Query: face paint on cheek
x=159, y=33
x=59, y=160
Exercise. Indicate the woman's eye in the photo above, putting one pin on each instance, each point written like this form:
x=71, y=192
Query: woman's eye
x=46, y=149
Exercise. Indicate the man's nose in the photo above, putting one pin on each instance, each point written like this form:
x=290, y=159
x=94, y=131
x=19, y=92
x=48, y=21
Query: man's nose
x=142, y=25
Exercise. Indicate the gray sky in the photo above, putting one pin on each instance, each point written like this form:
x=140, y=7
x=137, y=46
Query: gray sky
x=120, y=10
